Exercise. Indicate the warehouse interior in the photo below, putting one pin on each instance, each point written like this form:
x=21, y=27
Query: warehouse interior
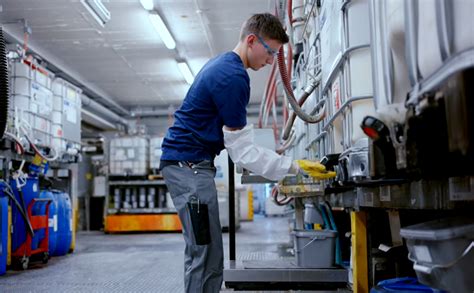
x=377, y=93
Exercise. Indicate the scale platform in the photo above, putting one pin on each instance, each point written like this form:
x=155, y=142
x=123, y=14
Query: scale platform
x=282, y=274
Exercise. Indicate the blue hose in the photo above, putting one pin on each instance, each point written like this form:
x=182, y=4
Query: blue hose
x=334, y=227
x=321, y=209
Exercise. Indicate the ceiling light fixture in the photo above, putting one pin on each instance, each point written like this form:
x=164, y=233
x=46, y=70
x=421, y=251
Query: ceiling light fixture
x=97, y=10
x=147, y=4
x=186, y=72
x=162, y=30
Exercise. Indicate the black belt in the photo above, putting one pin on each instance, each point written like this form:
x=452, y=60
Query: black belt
x=190, y=164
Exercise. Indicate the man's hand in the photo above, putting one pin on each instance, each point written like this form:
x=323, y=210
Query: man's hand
x=314, y=169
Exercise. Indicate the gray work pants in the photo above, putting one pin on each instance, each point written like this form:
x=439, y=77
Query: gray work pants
x=203, y=264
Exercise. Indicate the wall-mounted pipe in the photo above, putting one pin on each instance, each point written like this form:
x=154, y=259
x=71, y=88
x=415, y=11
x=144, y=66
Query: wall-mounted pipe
x=97, y=108
x=97, y=121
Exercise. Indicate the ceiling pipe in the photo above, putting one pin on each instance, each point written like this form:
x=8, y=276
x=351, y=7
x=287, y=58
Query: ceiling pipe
x=252, y=109
x=97, y=108
x=69, y=74
x=205, y=27
x=97, y=121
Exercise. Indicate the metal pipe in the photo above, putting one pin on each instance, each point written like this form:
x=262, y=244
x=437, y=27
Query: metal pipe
x=454, y=64
x=444, y=15
x=411, y=13
x=99, y=109
x=97, y=121
x=231, y=210
x=317, y=138
x=209, y=39
x=343, y=106
x=339, y=63
x=308, y=18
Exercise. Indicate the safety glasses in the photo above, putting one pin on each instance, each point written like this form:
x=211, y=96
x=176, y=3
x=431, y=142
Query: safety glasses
x=270, y=51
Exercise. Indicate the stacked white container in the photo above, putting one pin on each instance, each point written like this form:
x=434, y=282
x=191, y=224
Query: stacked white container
x=346, y=71
x=403, y=63
x=32, y=99
x=155, y=152
x=129, y=156
x=66, y=127
x=151, y=195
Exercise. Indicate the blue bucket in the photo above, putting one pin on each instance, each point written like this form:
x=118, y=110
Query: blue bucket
x=52, y=220
x=64, y=233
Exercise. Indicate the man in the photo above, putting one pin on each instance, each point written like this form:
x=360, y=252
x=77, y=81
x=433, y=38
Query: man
x=213, y=114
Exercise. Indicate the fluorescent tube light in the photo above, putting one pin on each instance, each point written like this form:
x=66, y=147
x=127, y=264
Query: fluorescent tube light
x=162, y=30
x=186, y=72
x=97, y=10
x=147, y=4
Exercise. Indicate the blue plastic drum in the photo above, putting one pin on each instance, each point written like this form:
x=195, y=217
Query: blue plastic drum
x=4, y=233
x=30, y=190
x=52, y=220
x=64, y=233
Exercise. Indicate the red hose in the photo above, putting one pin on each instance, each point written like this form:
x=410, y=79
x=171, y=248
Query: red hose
x=286, y=200
x=289, y=62
x=291, y=96
x=264, y=100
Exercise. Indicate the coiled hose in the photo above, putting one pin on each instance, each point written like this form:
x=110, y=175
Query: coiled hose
x=291, y=96
x=4, y=87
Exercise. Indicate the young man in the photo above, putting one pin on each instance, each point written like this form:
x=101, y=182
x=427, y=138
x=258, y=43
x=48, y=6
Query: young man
x=213, y=116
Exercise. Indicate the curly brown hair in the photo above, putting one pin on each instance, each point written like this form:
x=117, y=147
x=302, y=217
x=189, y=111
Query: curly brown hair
x=265, y=25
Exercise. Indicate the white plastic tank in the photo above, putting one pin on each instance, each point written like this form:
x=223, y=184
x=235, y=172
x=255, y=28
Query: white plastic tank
x=66, y=115
x=446, y=26
x=298, y=12
x=32, y=99
x=346, y=71
x=129, y=156
x=389, y=59
x=155, y=152
x=331, y=38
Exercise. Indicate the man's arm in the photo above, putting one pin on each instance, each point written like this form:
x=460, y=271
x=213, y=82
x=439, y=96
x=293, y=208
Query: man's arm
x=242, y=149
x=232, y=128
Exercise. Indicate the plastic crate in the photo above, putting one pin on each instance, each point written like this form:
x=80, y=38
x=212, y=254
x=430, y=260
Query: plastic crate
x=442, y=252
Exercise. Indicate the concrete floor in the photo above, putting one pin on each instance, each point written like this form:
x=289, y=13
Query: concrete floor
x=139, y=262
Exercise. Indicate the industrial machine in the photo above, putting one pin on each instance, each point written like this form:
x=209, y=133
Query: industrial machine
x=384, y=93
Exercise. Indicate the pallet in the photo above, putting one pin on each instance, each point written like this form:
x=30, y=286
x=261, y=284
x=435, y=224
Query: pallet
x=142, y=223
x=155, y=177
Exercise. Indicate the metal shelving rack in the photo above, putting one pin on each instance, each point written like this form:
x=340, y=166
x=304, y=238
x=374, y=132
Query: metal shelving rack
x=137, y=205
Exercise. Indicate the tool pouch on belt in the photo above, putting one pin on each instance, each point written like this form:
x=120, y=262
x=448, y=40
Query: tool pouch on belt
x=200, y=221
